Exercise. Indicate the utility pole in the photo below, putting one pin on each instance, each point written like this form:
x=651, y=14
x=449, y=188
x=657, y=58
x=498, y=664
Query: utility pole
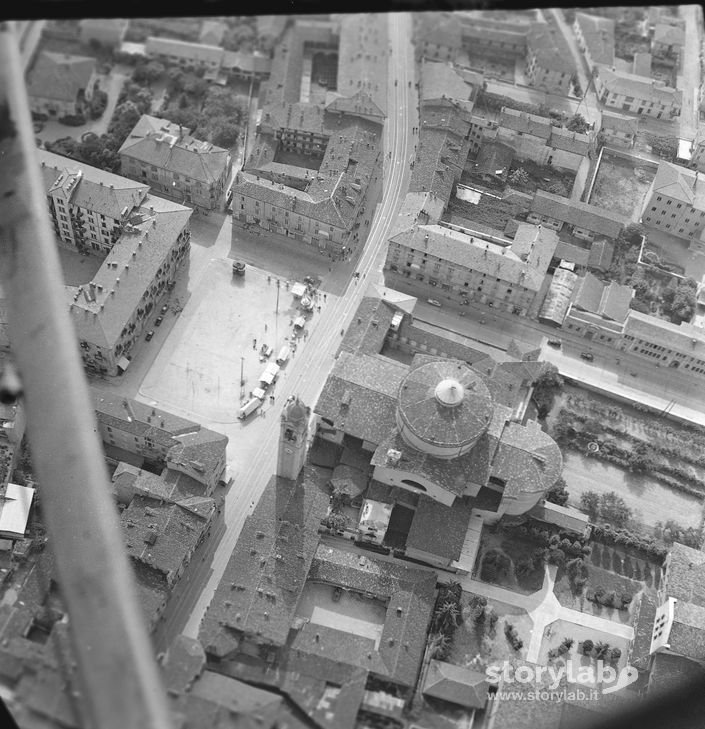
x=278, y=285
x=242, y=371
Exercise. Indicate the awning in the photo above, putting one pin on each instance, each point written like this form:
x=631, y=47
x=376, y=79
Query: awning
x=123, y=363
x=298, y=290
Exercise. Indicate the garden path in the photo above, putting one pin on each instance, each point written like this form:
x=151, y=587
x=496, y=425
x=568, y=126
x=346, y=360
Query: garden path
x=544, y=608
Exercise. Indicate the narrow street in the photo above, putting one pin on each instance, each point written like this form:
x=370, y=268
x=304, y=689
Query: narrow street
x=589, y=106
x=690, y=112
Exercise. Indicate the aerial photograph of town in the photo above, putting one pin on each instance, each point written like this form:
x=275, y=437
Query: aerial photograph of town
x=352, y=370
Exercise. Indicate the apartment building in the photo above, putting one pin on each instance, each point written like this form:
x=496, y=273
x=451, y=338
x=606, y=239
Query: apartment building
x=535, y=138
x=598, y=311
x=549, y=62
x=313, y=159
x=619, y=130
x=595, y=36
x=559, y=295
x=89, y=207
x=584, y=221
x=675, y=203
x=636, y=94
x=459, y=264
x=174, y=164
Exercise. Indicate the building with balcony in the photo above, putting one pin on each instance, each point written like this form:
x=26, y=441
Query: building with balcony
x=166, y=157
x=88, y=206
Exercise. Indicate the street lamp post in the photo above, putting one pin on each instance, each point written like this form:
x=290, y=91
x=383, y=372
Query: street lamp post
x=278, y=285
x=242, y=371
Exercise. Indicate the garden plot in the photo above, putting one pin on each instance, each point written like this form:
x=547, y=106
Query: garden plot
x=621, y=184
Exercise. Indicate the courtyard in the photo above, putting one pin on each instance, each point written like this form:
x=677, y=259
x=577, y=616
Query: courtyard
x=341, y=609
x=77, y=268
x=621, y=184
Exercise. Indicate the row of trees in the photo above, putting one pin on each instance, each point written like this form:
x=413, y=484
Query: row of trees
x=600, y=651
x=608, y=508
x=447, y=616
x=611, y=599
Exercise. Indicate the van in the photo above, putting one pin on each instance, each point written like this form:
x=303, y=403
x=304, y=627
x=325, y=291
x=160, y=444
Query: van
x=299, y=322
x=270, y=374
x=248, y=408
x=283, y=355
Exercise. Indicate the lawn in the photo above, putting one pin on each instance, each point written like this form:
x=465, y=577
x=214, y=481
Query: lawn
x=621, y=185
x=511, y=550
x=543, y=177
x=609, y=581
x=470, y=641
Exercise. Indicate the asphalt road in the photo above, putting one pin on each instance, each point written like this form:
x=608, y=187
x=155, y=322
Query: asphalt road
x=690, y=113
x=308, y=371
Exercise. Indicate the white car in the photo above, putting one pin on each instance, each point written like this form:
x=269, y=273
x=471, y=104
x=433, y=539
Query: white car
x=433, y=302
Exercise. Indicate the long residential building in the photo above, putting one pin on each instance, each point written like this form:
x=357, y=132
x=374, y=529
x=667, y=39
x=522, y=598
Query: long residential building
x=635, y=94
x=457, y=263
x=174, y=164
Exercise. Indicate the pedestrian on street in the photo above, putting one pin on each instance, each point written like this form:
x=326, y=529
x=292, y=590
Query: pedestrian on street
x=325, y=298
x=319, y=309
x=254, y=344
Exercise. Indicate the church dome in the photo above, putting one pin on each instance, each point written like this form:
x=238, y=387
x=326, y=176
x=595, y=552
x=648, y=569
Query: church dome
x=443, y=409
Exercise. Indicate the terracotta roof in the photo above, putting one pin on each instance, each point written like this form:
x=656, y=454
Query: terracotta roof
x=93, y=189
x=369, y=335
x=687, y=634
x=684, y=338
x=410, y=594
x=360, y=395
x=580, y=214
x=639, y=87
x=60, y=76
x=441, y=80
x=439, y=529
x=103, y=320
x=601, y=255
x=527, y=459
x=550, y=48
x=267, y=570
x=685, y=575
x=675, y=182
x=197, y=52
x=185, y=155
x=670, y=673
x=494, y=159
x=521, y=121
x=485, y=256
x=669, y=35
x=456, y=685
x=360, y=104
x=619, y=123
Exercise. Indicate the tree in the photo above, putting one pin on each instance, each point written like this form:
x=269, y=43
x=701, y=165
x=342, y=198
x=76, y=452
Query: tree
x=225, y=134
x=558, y=493
x=614, y=509
x=558, y=188
x=519, y=177
x=590, y=503
x=154, y=71
x=577, y=123
x=175, y=81
x=639, y=305
x=446, y=616
x=587, y=647
x=440, y=646
x=336, y=521
x=666, y=147
x=683, y=306
x=614, y=655
x=641, y=459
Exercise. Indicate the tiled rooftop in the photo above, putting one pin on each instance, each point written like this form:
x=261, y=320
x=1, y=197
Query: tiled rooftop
x=59, y=76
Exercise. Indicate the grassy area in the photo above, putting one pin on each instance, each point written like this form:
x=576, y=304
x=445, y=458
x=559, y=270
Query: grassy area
x=471, y=640
x=621, y=185
x=509, y=552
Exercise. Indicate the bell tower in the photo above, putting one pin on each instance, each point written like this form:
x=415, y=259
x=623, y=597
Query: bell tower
x=293, y=436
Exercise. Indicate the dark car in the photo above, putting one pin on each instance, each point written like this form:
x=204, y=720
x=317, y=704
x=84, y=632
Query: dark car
x=554, y=342
x=149, y=335
x=158, y=321
x=239, y=268
x=587, y=356
x=164, y=309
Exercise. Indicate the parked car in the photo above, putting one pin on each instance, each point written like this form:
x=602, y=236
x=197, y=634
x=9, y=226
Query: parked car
x=554, y=342
x=149, y=335
x=433, y=302
x=164, y=309
x=158, y=321
x=239, y=268
x=587, y=356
